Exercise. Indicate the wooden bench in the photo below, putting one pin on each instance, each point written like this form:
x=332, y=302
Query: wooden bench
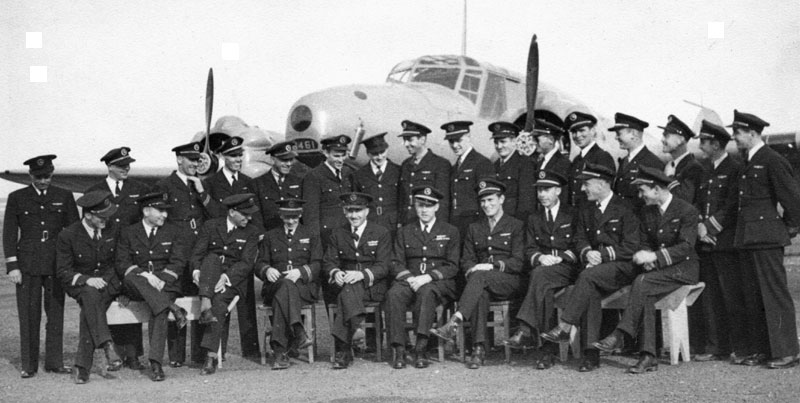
x=308, y=313
x=499, y=319
x=674, y=318
x=373, y=309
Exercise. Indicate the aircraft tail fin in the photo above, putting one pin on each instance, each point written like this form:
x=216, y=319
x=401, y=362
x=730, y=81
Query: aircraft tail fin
x=704, y=113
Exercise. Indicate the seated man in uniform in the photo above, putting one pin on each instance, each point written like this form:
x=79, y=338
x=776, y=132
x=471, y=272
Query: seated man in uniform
x=492, y=264
x=150, y=259
x=85, y=266
x=355, y=263
x=288, y=264
x=222, y=262
x=550, y=240
x=668, y=259
x=424, y=267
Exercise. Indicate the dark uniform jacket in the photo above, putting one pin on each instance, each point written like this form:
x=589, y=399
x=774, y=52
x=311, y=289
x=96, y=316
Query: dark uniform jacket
x=688, y=175
x=235, y=251
x=614, y=233
x=80, y=255
x=716, y=201
x=188, y=206
x=595, y=155
x=558, y=240
x=464, y=182
x=672, y=235
x=269, y=191
x=164, y=255
x=557, y=163
x=385, y=193
x=371, y=256
x=503, y=246
x=218, y=188
x=435, y=253
x=128, y=210
x=511, y=173
x=432, y=170
x=302, y=252
x=627, y=172
x=31, y=226
x=765, y=181
x=321, y=190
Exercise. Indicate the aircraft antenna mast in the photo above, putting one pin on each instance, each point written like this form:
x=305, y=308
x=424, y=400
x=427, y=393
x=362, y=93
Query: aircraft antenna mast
x=464, y=32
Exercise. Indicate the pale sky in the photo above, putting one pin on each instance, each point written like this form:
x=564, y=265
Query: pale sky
x=133, y=72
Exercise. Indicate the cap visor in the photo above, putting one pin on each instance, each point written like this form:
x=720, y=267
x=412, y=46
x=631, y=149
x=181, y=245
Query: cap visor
x=108, y=212
x=249, y=210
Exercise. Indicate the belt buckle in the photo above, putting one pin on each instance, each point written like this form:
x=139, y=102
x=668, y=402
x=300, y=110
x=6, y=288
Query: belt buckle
x=45, y=235
x=150, y=266
x=423, y=267
x=379, y=210
x=192, y=224
x=222, y=259
x=491, y=259
x=358, y=266
x=289, y=267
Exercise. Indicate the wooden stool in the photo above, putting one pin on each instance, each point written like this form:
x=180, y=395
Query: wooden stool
x=308, y=313
x=443, y=312
x=499, y=318
x=371, y=308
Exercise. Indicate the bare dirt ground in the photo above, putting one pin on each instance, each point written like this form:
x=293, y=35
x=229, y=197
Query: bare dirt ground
x=370, y=381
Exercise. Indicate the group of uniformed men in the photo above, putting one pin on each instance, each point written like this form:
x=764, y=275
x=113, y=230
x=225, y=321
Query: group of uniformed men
x=417, y=236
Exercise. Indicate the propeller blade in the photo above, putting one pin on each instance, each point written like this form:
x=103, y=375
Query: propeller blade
x=531, y=82
x=209, y=104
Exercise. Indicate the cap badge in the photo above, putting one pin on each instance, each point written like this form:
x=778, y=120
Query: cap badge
x=451, y=128
x=573, y=117
x=669, y=119
x=40, y=162
x=427, y=191
x=482, y=185
x=342, y=139
x=196, y=147
x=353, y=197
x=541, y=174
x=405, y=125
x=123, y=151
x=294, y=148
x=234, y=142
x=165, y=196
x=288, y=147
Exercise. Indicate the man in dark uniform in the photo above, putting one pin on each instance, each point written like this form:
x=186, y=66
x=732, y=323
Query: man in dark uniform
x=34, y=216
x=761, y=235
x=465, y=174
x=422, y=168
x=289, y=263
x=547, y=135
x=222, y=262
x=667, y=260
x=722, y=300
x=279, y=183
x=550, y=240
x=379, y=178
x=606, y=238
x=582, y=127
x=189, y=200
x=227, y=182
x=85, y=267
x=424, y=267
x=684, y=168
x=629, y=135
x=151, y=257
x=355, y=262
x=492, y=263
x=323, y=185
x=124, y=193
x=509, y=167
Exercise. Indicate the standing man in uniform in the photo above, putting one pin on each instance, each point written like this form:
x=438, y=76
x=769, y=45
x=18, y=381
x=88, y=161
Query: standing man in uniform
x=151, y=256
x=279, y=183
x=629, y=131
x=582, y=127
x=222, y=263
x=550, y=240
x=606, y=238
x=509, y=166
x=289, y=263
x=667, y=260
x=124, y=194
x=380, y=179
x=465, y=175
x=761, y=235
x=356, y=264
x=323, y=185
x=492, y=262
x=85, y=258
x=684, y=168
x=422, y=168
x=34, y=216
x=424, y=267
x=547, y=135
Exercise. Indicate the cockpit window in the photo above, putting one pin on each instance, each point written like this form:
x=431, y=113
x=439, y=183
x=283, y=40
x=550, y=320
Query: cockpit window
x=471, y=84
x=437, y=75
x=494, y=97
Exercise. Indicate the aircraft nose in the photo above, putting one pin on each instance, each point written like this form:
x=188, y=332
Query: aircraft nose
x=301, y=118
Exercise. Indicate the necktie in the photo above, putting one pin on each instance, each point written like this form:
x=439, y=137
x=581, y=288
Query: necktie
x=117, y=190
x=492, y=223
x=282, y=178
x=234, y=179
x=190, y=185
x=549, y=217
x=96, y=236
x=425, y=228
x=460, y=161
x=289, y=234
x=152, y=233
x=354, y=235
x=339, y=174
x=624, y=163
x=379, y=174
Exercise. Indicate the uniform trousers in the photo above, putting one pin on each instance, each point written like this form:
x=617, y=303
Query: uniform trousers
x=723, y=304
x=286, y=299
x=646, y=290
x=29, y=308
x=584, y=306
x=212, y=332
x=159, y=302
x=94, y=330
x=769, y=304
x=350, y=300
x=425, y=300
x=538, y=308
x=482, y=287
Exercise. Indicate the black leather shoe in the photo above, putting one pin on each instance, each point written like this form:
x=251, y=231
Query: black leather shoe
x=609, y=344
x=478, y=357
x=133, y=363
x=281, y=362
x=207, y=317
x=782, y=363
x=340, y=361
x=738, y=359
x=646, y=363
x=588, y=365
x=113, y=362
x=519, y=340
x=157, y=374
x=209, y=366
x=546, y=361
x=60, y=370
x=399, y=358
x=176, y=364
x=755, y=360
x=302, y=340
x=80, y=375
x=446, y=332
x=180, y=316
x=556, y=335
x=421, y=360
x=293, y=353
x=708, y=357
x=27, y=374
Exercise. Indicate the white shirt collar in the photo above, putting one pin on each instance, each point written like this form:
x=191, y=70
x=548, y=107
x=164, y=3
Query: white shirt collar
x=276, y=174
x=585, y=150
x=112, y=184
x=331, y=168
x=664, y=206
x=91, y=230
x=632, y=153
x=382, y=167
x=511, y=154
x=754, y=150
x=430, y=224
x=605, y=201
x=720, y=159
x=418, y=158
x=554, y=209
x=39, y=192
x=497, y=217
x=228, y=174
x=463, y=155
x=231, y=227
x=148, y=227
x=360, y=229
x=678, y=160
x=183, y=177
x=548, y=156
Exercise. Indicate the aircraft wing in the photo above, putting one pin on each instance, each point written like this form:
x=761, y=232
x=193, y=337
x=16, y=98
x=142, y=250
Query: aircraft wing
x=78, y=180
